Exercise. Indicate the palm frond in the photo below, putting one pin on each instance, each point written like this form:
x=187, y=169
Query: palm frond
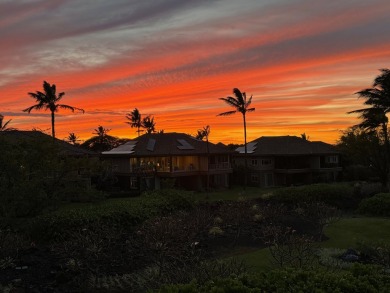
x=34, y=107
x=69, y=108
x=227, y=113
x=230, y=101
x=250, y=109
x=240, y=96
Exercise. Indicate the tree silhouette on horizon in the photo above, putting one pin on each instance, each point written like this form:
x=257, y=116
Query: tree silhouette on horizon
x=149, y=124
x=135, y=120
x=241, y=104
x=49, y=100
x=102, y=141
x=3, y=127
x=374, y=117
x=73, y=138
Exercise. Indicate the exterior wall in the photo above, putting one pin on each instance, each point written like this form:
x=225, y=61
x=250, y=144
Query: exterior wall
x=189, y=171
x=120, y=164
x=288, y=170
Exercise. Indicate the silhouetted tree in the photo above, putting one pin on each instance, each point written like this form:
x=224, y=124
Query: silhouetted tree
x=149, y=124
x=135, y=120
x=73, y=138
x=374, y=117
x=49, y=100
x=305, y=137
x=240, y=104
x=3, y=127
x=363, y=155
x=102, y=141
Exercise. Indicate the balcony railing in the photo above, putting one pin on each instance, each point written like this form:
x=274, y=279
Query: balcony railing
x=219, y=166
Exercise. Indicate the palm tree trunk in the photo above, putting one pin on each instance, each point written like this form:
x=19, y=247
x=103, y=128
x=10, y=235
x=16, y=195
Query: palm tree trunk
x=208, y=165
x=52, y=125
x=246, y=154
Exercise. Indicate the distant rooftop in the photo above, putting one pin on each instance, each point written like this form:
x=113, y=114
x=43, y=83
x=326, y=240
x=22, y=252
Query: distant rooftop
x=286, y=145
x=161, y=144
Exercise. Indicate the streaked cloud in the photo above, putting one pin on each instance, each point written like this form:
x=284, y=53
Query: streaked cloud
x=302, y=61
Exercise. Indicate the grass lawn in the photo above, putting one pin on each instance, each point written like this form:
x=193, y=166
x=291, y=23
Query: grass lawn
x=345, y=233
x=349, y=231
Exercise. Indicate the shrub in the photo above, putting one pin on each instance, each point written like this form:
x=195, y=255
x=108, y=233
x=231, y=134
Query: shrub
x=378, y=205
x=125, y=213
x=356, y=281
x=338, y=195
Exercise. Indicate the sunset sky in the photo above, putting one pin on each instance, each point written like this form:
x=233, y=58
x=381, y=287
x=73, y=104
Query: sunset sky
x=302, y=60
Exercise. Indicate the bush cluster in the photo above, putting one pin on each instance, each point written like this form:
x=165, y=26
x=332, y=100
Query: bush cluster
x=378, y=205
x=337, y=195
x=356, y=280
x=124, y=212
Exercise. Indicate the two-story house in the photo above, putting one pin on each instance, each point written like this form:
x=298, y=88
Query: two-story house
x=288, y=160
x=150, y=159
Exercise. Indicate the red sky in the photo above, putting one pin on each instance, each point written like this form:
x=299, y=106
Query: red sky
x=302, y=61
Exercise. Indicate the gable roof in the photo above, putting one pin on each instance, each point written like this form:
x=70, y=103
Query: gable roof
x=163, y=144
x=287, y=146
x=17, y=136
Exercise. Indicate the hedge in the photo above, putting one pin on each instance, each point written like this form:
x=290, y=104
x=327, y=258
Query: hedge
x=338, y=195
x=378, y=205
x=359, y=279
x=116, y=213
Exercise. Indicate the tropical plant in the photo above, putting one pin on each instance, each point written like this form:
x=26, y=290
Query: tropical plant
x=101, y=141
x=374, y=117
x=203, y=133
x=73, y=138
x=240, y=104
x=49, y=100
x=3, y=127
x=304, y=136
x=149, y=124
x=135, y=120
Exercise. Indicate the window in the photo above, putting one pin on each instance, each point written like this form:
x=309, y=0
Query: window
x=254, y=178
x=133, y=182
x=332, y=159
x=266, y=162
x=254, y=162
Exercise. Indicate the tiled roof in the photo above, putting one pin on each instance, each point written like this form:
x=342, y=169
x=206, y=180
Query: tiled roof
x=66, y=148
x=161, y=144
x=287, y=145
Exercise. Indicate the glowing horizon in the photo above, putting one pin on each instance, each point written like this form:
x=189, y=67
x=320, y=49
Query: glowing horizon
x=301, y=60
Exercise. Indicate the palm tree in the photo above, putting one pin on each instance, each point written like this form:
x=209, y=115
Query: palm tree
x=3, y=127
x=304, y=136
x=374, y=118
x=135, y=120
x=101, y=141
x=48, y=100
x=378, y=100
x=149, y=124
x=73, y=138
x=204, y=134
x=240, y=104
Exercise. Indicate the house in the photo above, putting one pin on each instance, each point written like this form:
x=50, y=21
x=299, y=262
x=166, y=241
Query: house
x=152, y=160
x=288, y=160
